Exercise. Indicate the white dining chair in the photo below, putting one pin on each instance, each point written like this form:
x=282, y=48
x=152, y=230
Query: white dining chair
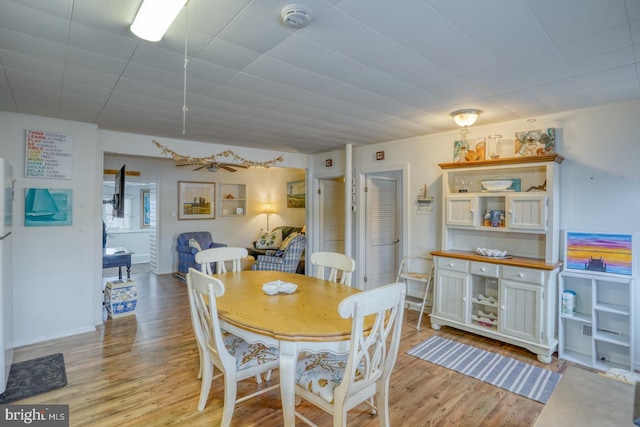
x=335, y=263
x=233, y=356
x=338, y=383
x=219, y=255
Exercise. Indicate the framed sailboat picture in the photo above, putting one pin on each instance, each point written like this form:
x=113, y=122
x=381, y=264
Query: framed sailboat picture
x=609, y=254
x=48, y=207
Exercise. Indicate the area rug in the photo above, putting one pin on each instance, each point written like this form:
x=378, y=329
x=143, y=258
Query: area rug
x=587, y=399
x=33, y=377
x=504, y=372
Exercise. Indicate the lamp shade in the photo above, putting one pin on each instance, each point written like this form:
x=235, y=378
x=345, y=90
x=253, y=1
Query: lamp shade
x=154, y=18
x=268, y=208
x=465, y=117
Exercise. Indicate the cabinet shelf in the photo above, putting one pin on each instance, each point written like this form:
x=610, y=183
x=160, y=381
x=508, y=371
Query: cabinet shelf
x=612, y=308
x=600, y=334
x=578, y=317
x=233, y=202
x=612, y=338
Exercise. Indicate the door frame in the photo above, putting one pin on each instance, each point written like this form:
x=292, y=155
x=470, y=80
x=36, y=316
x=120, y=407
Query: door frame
x=360, y=227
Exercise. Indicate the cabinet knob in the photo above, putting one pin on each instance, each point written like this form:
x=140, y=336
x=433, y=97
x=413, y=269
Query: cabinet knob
x=450, y=264
x=521, y=275
x=464, y=299
x=502, y=307
x=483, y=269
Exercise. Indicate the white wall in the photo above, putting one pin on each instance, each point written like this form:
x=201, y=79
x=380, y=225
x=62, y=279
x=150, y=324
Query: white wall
x=55, y=270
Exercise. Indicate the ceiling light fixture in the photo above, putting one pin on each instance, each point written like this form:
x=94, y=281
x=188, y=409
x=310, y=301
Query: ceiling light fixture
x=154, y=18
x=466, y=117
x=296, y=16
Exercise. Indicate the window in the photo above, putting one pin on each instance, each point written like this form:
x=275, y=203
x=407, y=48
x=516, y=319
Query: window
x=114, y=223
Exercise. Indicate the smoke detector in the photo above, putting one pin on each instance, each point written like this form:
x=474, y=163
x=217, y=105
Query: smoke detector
x=296, y=16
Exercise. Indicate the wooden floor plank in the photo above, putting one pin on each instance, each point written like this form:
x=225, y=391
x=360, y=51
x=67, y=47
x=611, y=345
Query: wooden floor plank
x=142, y=370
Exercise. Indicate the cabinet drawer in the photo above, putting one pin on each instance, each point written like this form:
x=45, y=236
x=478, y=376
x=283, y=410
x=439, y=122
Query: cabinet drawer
x=453, y=264
x=485, y=269
x=523, y=274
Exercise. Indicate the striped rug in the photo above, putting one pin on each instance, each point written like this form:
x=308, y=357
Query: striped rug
x=500, y=371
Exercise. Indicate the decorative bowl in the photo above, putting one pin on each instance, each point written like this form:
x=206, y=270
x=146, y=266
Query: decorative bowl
x=497, y=185
x=496, y=253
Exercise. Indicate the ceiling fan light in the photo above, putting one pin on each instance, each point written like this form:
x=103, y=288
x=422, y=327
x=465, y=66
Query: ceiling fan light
x=154, y=18
x=466, y=117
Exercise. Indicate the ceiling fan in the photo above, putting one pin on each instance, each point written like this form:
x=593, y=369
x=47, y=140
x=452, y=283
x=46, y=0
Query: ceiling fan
x=212, y=164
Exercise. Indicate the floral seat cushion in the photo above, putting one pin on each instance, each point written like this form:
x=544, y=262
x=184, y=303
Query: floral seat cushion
x=248, y=355
x=321, y=373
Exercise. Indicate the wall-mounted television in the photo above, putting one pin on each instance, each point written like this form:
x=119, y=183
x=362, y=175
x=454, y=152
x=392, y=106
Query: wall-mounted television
x=118, y=194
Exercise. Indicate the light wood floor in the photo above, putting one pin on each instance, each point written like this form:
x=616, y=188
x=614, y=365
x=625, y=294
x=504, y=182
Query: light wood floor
x=141, y=371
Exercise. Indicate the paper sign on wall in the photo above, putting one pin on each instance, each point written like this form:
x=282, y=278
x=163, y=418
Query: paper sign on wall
x=48, y=155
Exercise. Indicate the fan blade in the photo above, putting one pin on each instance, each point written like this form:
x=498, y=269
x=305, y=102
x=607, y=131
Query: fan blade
x=225, y=167
x=200, y=167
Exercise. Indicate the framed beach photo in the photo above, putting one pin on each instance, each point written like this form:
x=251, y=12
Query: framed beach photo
x=196, y=200
x=145, y=208
x=609, y=254
x=296, y=194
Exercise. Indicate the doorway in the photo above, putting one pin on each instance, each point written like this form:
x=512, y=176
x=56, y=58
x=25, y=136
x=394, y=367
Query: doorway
x=136, y=230
x=331, y=218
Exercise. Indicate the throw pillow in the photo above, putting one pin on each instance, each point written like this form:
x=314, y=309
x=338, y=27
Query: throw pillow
x=194, y=244
x=285, y=242
x=269, y=239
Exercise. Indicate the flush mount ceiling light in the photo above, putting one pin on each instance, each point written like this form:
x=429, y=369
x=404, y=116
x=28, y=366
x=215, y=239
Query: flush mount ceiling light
x=296, y=16
x=466, y=117
x=154, y=18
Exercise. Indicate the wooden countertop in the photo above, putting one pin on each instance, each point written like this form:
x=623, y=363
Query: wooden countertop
x=515, y=261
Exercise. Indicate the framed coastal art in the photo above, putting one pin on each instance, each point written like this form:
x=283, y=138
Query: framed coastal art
x=296, y=194
x=535, y=142
x=590, y=252
x=196, y=200
x=145, y=208
x=47, y=207
x=469, y=150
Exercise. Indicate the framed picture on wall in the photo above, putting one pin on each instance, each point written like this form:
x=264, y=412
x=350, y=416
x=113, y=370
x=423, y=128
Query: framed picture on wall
x=608, y=254
x=296, y=194
x=196, y=200
x=145, y=209
x=47, y=207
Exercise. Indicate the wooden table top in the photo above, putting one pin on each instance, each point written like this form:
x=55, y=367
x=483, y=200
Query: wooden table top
x=308, y=314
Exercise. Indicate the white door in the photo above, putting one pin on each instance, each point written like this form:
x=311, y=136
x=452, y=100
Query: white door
x=331, y=236
x=383, y=204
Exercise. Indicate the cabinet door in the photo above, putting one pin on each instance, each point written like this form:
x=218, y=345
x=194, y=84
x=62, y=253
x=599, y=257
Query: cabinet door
x=462, y=210
x=452, y=295
x=520, y=310
x=527, y=211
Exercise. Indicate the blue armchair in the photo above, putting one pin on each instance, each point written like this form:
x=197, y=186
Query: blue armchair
x=286, y=260
x=187, y=254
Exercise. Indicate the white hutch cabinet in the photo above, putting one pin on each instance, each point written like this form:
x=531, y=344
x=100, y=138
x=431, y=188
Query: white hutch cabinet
x=511, y=299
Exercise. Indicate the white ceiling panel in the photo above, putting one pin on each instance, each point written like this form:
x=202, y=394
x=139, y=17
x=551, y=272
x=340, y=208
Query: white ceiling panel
x=363, y=71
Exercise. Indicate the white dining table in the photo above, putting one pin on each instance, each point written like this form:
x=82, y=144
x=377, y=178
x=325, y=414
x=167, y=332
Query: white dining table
x=305, y=320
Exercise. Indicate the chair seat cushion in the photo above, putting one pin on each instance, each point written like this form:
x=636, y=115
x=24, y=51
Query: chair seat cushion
x=321, y=373
x=248, y=355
